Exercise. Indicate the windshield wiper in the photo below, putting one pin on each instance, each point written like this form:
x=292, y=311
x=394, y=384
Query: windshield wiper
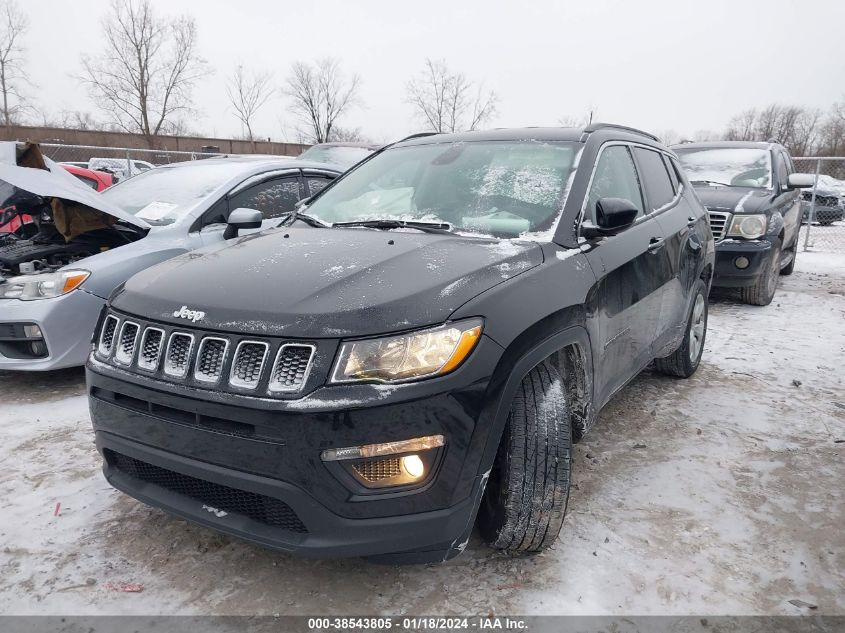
x=710, y=182
x=387, y=223
x=310, y=220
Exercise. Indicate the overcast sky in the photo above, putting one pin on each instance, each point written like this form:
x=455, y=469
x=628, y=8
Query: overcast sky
x=657, y=65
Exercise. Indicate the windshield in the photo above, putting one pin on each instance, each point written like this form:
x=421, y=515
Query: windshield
x=502, y=189
x=343, y=156
x=166, y=194
x=731, y=166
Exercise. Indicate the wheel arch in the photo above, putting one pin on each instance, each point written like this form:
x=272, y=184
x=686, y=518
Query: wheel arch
x=570, y=351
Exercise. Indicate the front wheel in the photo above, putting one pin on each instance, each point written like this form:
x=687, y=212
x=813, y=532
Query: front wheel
x=763, y=290
x=525, y=500
x=684, y=361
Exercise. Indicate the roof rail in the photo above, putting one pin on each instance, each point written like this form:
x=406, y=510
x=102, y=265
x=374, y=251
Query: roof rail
x=413, y=136
x=595, y=127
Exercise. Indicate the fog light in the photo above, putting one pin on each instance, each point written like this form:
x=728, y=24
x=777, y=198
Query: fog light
x=32, y=331
x=413, y=465
x=38, y=348
x=741, y=262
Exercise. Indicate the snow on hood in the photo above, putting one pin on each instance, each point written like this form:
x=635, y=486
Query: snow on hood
x=316, y=283
x=55, y=182
x=735, y=199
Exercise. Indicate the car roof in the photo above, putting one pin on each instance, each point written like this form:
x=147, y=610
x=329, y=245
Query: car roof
x=246, y=162
x=349, y=144
x=577, y=134
x=726, y=145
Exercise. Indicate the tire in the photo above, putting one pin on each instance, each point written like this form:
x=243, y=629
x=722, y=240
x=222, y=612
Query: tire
x=790, y=267
x=763, y=290
x=526, y=496
x=685, y=360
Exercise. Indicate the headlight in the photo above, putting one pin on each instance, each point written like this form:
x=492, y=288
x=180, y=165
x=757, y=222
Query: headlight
x=29, y=287
x=748, y=226
x=420, y=354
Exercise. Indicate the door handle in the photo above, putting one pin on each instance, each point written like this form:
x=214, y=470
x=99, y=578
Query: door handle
x=656, y=243
x=691, y=222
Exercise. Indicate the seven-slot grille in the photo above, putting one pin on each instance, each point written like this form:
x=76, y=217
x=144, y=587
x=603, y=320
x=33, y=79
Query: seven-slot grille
x=126, y=343
x=210, y=358
x=248, y=364
x=107, y=335
x=291, y=367
x=206, y=359
x=719, y=223
x=178, y=355
x=150, y=348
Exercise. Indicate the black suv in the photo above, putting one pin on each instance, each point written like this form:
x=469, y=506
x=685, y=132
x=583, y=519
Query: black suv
x=753, y=197
x=417, y=347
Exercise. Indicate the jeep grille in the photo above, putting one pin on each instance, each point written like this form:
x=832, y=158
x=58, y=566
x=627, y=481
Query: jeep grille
x=207, y=360
x=126, y=343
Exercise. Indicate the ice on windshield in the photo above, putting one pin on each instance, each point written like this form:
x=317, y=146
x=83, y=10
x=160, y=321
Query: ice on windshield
x=729, y=166
x=165, y=194
x=502, y=189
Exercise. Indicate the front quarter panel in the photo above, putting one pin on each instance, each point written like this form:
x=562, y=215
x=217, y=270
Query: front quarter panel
x=114, y=267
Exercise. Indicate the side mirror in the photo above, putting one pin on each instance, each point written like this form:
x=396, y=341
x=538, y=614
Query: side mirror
x=800, y=181
x=612, y=216
x=242, y=219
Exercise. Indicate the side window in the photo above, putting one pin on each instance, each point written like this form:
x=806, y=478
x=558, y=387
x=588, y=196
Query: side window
x=273, y=198
x=316, y=184
x=615, y=177
x=673, y=173
x=218, y=214
x=658, y=186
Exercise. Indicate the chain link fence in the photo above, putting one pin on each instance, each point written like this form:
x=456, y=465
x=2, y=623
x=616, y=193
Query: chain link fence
x=122, y=162
x=823, y=206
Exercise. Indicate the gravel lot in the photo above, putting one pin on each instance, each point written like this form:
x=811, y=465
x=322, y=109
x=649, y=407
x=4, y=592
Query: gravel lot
x=722, y=494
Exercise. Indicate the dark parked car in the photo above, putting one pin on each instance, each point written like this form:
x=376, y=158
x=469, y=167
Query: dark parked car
x=418, y=347
x=753, y=198
x=829, y=203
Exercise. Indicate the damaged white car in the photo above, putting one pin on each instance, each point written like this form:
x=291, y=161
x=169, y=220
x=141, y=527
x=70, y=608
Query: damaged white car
x=55, y=276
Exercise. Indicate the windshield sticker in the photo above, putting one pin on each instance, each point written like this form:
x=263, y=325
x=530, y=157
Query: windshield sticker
x=156, y=210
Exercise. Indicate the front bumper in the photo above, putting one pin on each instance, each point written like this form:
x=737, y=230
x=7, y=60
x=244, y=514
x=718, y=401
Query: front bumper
x=249, y=446
x=67, y=324
x=729, y=258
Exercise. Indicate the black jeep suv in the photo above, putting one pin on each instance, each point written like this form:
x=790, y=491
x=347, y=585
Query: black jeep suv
x=417, y=347
x=753, y=198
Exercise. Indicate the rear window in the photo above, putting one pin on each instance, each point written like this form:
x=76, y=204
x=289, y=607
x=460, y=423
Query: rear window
x=658, y=185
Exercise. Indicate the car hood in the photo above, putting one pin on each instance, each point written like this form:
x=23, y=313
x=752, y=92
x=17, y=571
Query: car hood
x=315, y=283
x=735, y=199
x=49, y=180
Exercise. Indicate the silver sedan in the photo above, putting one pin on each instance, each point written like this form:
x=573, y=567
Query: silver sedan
x=52, y=288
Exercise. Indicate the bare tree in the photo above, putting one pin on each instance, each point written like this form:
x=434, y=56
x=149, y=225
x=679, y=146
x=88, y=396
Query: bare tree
x=248, y=92
x=447, y=101
x=144, y=77
x=320, y=94
x=795, y=127
x=13, y=25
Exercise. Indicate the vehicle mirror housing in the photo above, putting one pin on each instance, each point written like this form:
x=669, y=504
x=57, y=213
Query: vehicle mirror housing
x=800, y=181
x=612, y=216
x=242, y=218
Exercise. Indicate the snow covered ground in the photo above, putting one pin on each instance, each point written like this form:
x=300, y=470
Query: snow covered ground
x=720, y=494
